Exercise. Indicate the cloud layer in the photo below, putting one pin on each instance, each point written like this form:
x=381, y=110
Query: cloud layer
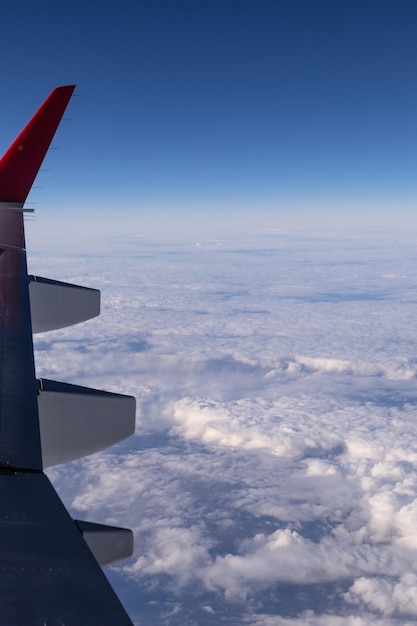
x=272, y=479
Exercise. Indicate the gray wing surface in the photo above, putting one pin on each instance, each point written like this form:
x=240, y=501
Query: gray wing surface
x=48, y=575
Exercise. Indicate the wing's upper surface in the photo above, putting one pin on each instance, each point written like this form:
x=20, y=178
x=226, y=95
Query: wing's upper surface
x=19, y=424
x=49, y=573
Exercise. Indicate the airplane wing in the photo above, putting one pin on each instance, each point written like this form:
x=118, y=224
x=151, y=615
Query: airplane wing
x=50, y=564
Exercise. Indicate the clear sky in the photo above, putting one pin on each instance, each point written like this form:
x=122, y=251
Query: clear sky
x=219, y=115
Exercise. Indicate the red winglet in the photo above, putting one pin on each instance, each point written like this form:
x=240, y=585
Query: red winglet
x=20, y=164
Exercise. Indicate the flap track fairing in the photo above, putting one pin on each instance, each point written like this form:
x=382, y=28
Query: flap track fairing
x=55, y=304
x=107, y=543
x=75, y=421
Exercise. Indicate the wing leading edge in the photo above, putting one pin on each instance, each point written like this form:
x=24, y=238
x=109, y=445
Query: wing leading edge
x=49, y=564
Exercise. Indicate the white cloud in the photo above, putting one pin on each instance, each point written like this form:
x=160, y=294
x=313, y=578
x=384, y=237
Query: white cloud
x=309, y=618
x=286, y=556
x=386, y=596
x=175, y=551
x=273, y=474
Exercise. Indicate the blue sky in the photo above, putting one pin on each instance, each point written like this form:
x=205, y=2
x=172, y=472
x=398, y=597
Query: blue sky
x=219, y=115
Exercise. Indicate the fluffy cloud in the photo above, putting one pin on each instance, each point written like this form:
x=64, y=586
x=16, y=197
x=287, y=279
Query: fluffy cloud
x=272, y=479
x=311, y=619
x=385, y=595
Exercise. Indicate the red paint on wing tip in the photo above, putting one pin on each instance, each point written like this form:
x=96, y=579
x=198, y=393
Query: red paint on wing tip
x=21, y=162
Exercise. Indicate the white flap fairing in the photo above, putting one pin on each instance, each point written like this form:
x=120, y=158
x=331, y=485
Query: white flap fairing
x=76, y=421
x=55, y=304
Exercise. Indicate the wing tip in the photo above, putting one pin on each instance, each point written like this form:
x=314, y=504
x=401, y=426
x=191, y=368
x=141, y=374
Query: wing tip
x=21, y=162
